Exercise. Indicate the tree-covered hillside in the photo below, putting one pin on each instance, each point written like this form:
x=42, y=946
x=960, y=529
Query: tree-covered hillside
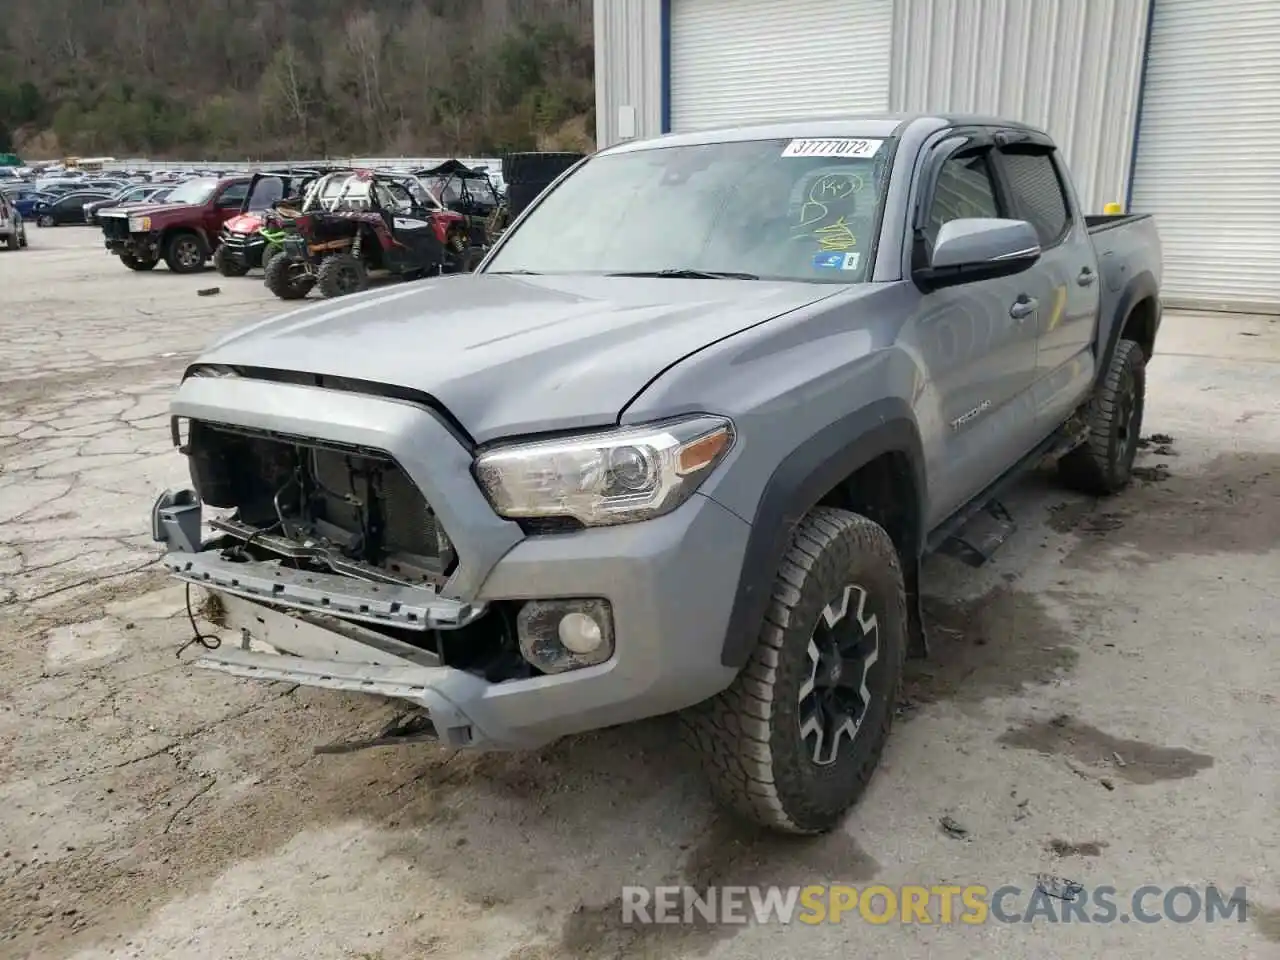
x=232, y=79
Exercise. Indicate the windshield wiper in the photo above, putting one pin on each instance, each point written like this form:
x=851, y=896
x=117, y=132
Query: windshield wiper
x=516, y=273
x=682, y=274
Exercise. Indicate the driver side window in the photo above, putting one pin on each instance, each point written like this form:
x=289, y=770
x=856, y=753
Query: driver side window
x=965, y=188
x=233, y=196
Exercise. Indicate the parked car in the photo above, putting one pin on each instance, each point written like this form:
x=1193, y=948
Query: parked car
x=26, y=199
x=66, y=208
x=680, y=443
x=140, y=193
x=13, y=232
x=183, y=231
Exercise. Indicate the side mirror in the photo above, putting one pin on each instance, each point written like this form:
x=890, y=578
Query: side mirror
x=971, y=249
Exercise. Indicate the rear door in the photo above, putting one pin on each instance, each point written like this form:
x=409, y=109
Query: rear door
x=977, y=343
x=1065, y=283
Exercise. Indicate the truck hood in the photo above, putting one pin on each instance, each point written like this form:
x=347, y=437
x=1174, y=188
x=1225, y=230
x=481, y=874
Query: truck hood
x=509, y=355
x=244, y=223
x=153, y=210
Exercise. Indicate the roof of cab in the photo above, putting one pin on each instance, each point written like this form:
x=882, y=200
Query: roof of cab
x=871, y=125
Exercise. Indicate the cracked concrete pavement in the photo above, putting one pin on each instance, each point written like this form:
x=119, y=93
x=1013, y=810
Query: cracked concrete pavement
x=1101, y=706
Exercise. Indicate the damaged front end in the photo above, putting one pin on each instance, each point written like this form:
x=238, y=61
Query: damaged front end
x=329, y=554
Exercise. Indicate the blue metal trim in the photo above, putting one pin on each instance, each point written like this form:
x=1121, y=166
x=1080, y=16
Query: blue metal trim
x=1137, y=118
x=664, y=26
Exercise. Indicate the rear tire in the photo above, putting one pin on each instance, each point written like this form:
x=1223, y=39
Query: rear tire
x=341, y=274
x=1103, y=464
x=184, y=253
x=288, y=279
x=12, y=241
x=794, y=740
x=227, y=266
x=141, y=264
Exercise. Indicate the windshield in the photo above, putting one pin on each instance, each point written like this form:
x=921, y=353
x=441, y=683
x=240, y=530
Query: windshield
x=193, y=191
x=266, y=191
x=775, y=209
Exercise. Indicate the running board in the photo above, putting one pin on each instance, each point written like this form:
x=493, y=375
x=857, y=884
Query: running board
x=981, y=536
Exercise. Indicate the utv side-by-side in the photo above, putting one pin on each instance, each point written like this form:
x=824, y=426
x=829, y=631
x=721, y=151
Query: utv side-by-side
x=354, y=223
x=250, y=239
x=465, y=190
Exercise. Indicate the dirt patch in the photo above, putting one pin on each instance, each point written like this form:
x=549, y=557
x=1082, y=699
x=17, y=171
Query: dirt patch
x=727, y=854
x=989, y=647
x=1132, y=760
x=1228, y=506
x=1082, y=517
x=1088, y=848
x=1266, y=922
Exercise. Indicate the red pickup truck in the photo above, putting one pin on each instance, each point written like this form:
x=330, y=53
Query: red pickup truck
x=183, y=231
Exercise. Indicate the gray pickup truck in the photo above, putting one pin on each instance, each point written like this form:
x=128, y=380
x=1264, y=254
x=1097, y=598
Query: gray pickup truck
x=679, y=444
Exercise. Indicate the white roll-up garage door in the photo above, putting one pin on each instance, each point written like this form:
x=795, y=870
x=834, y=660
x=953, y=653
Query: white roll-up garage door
x=1208, y=159
x=745, y=61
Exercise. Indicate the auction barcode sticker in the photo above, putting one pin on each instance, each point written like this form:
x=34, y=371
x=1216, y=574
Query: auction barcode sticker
x=840, y=147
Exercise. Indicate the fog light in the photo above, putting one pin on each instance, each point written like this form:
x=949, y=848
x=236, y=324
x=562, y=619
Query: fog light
x=579, y=633
x=560, y=635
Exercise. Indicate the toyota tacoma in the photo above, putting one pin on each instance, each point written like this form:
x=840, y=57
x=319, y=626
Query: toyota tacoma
x=679, y=444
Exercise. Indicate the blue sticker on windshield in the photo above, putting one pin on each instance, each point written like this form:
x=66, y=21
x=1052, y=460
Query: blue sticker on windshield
x=834, y=260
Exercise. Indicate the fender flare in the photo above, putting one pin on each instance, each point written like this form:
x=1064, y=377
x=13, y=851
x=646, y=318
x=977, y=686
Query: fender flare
x=1141, y=286
x=799, y=482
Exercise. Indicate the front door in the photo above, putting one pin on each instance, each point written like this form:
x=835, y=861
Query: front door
x=978, y=348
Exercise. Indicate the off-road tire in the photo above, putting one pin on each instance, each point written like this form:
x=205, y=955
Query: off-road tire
x=269, y=253
x=183, y=253
x=341, y=274
x=140, y=264
x=749, y=736
x=280, y=279
x=226, y=266
x=1103, y=464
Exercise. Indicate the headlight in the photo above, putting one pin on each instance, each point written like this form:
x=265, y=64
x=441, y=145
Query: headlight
x=139, y=224
x=213, y=370
x=603, y=478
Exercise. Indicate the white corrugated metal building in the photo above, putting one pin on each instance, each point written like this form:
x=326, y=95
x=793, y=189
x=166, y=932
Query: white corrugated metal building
x=1171, y=107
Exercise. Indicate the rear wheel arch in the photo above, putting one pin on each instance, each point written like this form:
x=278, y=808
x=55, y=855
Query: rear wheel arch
x=870, y=462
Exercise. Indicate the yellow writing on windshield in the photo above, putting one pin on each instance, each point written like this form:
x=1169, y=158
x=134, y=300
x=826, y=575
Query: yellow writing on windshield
x=836, y=236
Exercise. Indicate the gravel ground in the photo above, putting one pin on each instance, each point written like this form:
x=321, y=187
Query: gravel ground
x=1101, y=706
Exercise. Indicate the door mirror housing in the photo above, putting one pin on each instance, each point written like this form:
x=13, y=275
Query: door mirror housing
x=984, y=248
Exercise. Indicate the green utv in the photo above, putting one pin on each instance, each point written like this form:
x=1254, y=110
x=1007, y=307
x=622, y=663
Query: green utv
x=251, y=238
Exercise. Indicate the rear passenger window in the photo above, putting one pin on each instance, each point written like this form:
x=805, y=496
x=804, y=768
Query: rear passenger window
x=964, y=189
x=1037, y=193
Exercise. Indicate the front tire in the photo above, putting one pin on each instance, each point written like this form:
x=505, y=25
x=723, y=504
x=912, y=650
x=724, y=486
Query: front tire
x=269, y=253
x=226, y=266
x=1103, y=464
x=46, y=221
x=13, y=242
x=288, y=279
x=184, y=253
x=341, y=274
x=794, y=740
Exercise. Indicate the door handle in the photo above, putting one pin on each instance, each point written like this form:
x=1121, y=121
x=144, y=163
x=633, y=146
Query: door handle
x=1023, y=307
x=1086, y=277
